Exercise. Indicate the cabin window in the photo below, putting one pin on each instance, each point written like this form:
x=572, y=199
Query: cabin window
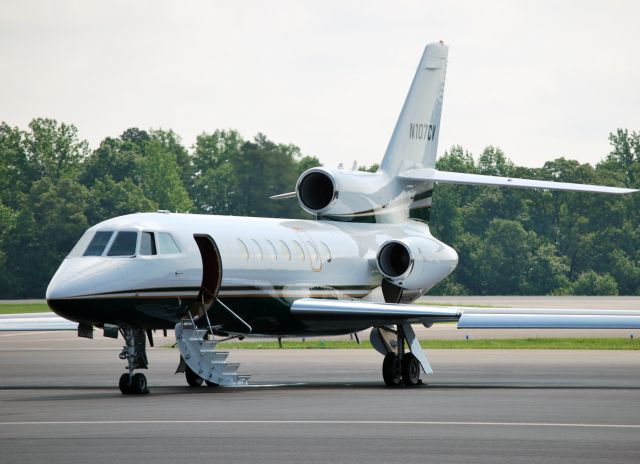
x=284, y=251
x=147, y=244
x=98, y=243
x=271, y=250
x=166, y=244
x=324, y=249
x=244, y=251
x=124, y=244
x=259, y=254
x=298, y=252
x=313, y=252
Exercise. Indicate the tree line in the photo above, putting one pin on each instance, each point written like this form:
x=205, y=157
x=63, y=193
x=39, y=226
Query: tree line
x=53, y=187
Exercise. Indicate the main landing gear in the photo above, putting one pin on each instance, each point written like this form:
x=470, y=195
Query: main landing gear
x=135, y=353
x=400, y=367
x=398, y=370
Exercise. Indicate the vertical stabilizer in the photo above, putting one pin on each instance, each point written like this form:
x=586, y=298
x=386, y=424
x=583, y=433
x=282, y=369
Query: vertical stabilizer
x=414, y=142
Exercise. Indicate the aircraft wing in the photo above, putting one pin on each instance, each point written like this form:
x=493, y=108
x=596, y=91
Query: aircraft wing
x=359, y=313
x=35, y=322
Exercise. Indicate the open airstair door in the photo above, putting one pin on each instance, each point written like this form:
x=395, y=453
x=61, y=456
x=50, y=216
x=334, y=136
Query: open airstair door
x=211, y=274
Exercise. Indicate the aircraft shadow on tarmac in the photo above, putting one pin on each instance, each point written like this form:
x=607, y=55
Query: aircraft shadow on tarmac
x=72, y=393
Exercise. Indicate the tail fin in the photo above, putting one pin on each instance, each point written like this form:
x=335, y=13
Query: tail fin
x=414, y=142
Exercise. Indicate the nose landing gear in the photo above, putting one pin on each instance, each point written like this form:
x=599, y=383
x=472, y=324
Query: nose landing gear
x=135, y=353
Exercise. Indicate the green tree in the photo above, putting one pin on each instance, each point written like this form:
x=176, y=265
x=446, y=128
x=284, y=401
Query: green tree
x=53, y=150
x=592, y=283
x=493, y=162
x=625, y=155
x=7, y=229
x=50, y=221
x=213, y=185
x=501, y=257
x=626, y=272
x=546, y=271
x=15, y=175
x=160, y=178
x=114, y=158
x=233, y=176
x=108, y=198
x=172, y=144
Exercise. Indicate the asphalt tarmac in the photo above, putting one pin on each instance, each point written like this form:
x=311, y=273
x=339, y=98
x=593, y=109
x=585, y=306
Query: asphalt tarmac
x=59, y=403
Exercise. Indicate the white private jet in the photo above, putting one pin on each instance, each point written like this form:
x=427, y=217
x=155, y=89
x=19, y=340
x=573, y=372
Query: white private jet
x=215, y=277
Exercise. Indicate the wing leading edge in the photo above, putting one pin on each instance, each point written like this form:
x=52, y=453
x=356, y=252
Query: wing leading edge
x=311, y=311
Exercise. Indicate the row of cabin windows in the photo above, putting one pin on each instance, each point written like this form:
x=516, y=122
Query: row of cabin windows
x=281, y=250
x=125, y=242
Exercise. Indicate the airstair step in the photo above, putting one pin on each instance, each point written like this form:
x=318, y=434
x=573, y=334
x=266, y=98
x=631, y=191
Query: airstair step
x=204, y=350
x=217, y=357
x=202, y=357
x=230, y=368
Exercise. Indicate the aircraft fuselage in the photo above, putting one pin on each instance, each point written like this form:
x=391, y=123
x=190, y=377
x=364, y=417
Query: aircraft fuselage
x=266, y=265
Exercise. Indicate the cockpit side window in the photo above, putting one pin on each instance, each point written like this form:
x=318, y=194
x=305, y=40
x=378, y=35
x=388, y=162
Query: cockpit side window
x=82, y=244
x=166, y=244
x=98, y=243
x=124, y=244
x=147, y=244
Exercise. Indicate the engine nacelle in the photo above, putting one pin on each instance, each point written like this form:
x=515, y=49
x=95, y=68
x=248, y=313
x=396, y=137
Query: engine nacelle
x=416, y=263
x=340, y=192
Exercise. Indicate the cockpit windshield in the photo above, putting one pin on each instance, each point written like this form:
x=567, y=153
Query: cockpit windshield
x=124, y=244
x=98, y=243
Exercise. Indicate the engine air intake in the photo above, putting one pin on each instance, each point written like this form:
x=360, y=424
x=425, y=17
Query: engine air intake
x=394, y=259
x=316, y=190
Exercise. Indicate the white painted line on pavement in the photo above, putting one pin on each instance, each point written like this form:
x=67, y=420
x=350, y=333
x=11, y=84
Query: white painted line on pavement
x=330, y=422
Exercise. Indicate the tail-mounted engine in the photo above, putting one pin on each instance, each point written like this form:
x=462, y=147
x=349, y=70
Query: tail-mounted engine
x=416, y=263
x=342, y=194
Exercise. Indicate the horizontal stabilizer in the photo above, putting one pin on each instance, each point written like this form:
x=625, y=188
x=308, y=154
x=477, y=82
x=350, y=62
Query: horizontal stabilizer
x=35, y=322
x=283, y=196
x=445, y=177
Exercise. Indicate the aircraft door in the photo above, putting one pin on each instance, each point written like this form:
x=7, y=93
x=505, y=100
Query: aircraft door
x=211, y=273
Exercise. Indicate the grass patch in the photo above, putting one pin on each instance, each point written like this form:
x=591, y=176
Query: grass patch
x=430, y=303
x=18, y=308
x=488, y=344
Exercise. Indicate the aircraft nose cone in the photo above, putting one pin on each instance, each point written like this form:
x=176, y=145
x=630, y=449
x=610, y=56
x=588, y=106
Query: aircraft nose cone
x=67, y=286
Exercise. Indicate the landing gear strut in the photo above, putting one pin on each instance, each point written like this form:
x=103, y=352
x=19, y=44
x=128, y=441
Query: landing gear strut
x=135, y=353
x=400, y=367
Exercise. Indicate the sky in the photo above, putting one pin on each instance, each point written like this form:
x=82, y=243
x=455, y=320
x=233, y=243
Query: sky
x=539, y=79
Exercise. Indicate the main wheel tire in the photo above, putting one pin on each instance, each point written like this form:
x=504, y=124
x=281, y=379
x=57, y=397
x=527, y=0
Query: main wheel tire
x=410, y=370
x=139, y=384
x=193, y=379
x=391, y=370
x=125, y=384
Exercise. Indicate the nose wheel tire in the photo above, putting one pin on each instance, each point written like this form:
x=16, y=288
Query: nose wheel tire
x=392, y=370
x=136, y=385
x=410, y=370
